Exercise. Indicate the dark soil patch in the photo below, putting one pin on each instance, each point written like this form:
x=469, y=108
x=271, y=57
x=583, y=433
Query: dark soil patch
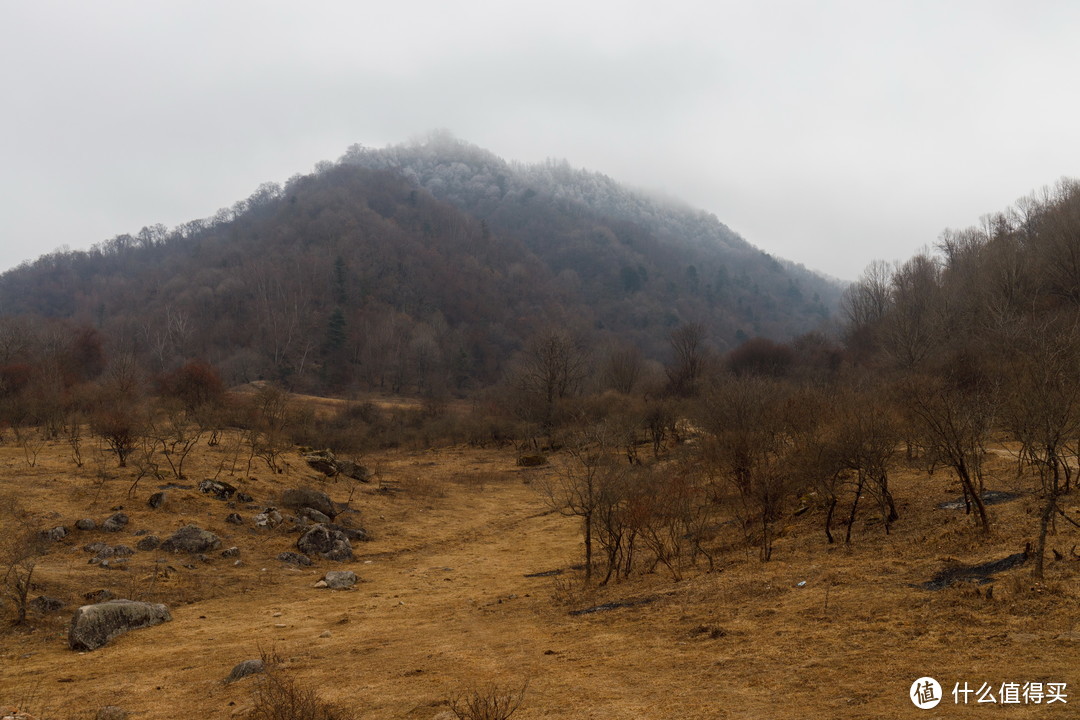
x=979, y=574
x=616, y=605
x=989, y=497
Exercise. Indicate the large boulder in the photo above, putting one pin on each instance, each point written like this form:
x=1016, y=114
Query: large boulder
x=299, y=498
x=94, y=625
x=192, y=539
x=325, y=542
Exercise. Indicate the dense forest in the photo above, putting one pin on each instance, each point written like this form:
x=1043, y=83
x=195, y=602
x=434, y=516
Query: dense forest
x=421, y=269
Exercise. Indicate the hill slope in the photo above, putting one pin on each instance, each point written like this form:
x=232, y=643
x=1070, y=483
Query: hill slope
x=418, y=267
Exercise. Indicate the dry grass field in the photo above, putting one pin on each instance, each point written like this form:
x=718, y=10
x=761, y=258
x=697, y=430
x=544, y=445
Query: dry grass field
x=444, y=603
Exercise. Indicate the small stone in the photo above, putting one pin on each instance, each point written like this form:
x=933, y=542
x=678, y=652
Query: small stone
x=326, y=634
x=156, y=500
x=268, y=518
x=234, y=519
x=294, y=559
x=242, y=670
x=85, y=524
x=55, y=534
x=45, y=605
x=150, y=542
x=339, y=579
x=115, y=522
x=230, y=552
x=320, y=584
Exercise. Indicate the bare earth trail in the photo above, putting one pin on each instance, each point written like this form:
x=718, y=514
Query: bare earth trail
x=444, y=604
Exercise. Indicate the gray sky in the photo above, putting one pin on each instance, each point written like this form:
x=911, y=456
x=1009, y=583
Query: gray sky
x=829, y=133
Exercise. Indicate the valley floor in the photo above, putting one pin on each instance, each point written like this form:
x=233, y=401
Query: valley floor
x=444, y=604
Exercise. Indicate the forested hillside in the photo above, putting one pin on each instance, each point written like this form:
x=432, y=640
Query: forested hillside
x=418, y=268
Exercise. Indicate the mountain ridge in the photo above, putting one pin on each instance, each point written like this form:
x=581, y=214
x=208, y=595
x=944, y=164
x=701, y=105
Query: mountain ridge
x=439, y=258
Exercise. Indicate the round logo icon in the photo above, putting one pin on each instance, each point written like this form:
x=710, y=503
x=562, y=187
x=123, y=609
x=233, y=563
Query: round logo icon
x=925, y=693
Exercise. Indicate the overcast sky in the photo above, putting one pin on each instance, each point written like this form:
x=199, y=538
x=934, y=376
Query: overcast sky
x=829, y=133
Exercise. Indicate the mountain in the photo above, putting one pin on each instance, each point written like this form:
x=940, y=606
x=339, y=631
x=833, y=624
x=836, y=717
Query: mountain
x=416, y=267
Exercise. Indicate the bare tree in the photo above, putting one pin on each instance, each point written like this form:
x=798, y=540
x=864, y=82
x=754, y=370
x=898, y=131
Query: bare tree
x=953, y=416
x=1042, y=408
x=688, y=364
x=21, y=544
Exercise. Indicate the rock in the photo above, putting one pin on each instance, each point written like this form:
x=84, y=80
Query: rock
x=313, y=515
x=98, y=548
x=320, y=584
x=192, y=539
x=94, y=625
x=242, y=670
x=85, y=524
x=12, y=713
x=122, y=551
x=230, y=552
x=294, y=559
x=339, y=579
x=268, y=518
x=298, y=498
x=219, y=489
x=324, y=542
x=353, y=470
x=234, y=519
x=46, y=605
x=244, y=497
x=115, y=522
x=323, y=461
x=156, y=500
x=114, y=563
x=55, y=534
x=326, y=634
x=354, y=534
x=150, y=542
x=99, y=596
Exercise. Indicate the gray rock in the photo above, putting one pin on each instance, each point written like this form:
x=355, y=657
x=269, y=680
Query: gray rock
x=85, y=524
x=122, y=551
x=354, y=534
x=156, y=500
x=150, y=542
x=98, y=548
x=268, y=518
x=230, y=552
x=218, y=488
x=313, y=515
x=348, y=468
x=55, y=534
x=45, y=605
x=192, y=539
x=114, y=563
x=115, y=522
x=94, y=625
x=323, y=461
x=298, y=498
x=234, y=519
x=294, y=559
x=339, y=579
x=242, y=670
x=244, y=497
x=325, y=542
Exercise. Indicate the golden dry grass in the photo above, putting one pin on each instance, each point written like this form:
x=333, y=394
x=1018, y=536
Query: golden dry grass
x=444, y=605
